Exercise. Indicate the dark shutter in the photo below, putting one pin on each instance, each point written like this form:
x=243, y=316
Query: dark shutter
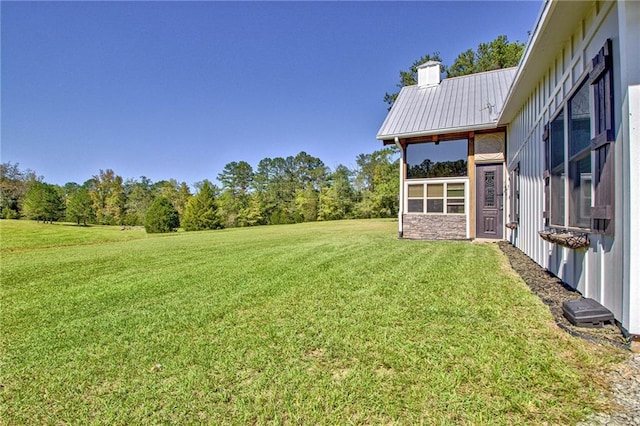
x=602, y=147
x=547, y=175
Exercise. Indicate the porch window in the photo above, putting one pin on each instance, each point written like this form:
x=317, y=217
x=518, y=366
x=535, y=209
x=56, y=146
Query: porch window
x=436, y=197
x=437, y=159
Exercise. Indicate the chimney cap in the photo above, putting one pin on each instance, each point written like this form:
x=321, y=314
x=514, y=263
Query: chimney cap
x=429, y=64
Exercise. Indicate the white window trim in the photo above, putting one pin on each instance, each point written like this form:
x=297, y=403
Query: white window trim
x=464, y=180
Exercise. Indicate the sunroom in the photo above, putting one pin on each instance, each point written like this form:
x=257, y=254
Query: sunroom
x=452, y=167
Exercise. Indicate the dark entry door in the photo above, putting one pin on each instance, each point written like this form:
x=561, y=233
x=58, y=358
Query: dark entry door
x=489, y=201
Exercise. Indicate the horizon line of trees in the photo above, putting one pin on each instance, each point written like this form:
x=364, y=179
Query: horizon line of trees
x=279, y=190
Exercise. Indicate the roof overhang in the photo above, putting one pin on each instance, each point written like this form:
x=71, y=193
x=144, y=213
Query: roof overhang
x=556, y=23
x=444, y=134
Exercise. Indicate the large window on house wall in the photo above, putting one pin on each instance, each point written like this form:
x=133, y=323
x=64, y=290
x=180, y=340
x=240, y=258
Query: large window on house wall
x=436, y=197
x=437, y=159
x=570, y=179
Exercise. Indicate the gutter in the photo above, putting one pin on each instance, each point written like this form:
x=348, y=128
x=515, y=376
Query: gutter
x=401, y=200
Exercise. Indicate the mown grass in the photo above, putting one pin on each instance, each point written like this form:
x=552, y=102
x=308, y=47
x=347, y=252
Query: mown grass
x=323, y=323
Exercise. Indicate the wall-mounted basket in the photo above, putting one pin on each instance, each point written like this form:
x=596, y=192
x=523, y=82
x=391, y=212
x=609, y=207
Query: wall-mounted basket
x=564, y=238
x=511, y=225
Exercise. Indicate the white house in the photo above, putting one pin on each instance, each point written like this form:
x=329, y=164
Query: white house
x=545, y=155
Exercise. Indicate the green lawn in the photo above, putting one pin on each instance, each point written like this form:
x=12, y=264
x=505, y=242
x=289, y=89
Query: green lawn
x=323, y=323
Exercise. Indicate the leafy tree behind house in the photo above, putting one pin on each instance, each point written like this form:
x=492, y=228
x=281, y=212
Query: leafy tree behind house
x=161, y=217
x=410, y=76
x=496, y=54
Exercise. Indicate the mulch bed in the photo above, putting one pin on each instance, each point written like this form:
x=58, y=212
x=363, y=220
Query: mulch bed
x=552, y=291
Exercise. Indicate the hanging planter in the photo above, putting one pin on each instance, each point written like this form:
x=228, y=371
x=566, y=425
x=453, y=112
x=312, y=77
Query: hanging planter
x=564, y=238
x=511, y=225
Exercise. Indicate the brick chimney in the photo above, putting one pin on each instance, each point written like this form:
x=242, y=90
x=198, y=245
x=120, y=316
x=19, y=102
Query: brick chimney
x=429, y=74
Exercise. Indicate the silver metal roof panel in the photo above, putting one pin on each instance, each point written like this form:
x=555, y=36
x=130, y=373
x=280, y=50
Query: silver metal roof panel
x=467, y=102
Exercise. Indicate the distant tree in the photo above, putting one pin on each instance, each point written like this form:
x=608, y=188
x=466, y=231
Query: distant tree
x=108, y=196
x=161, y=217
x=236, y=179
x=43, y=202
x=336, y=200
x=306, y=205
x=139, y=195
x=182, y=198
x=80, y=206
x=378, y=184
x=14, y=184
x=201, y=212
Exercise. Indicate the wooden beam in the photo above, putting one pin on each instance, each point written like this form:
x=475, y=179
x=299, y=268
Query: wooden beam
x=471, y=171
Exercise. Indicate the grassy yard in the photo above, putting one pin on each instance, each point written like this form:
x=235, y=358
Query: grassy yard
x=323, y=323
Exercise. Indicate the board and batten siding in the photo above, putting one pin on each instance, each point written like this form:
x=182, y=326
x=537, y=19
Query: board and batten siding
x=596, y=272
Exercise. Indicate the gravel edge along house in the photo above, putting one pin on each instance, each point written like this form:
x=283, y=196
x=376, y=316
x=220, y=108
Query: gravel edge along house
x=545, y=155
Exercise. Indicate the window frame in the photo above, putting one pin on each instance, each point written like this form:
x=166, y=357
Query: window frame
x=445, y=196
x=514, y=195
x=599, y=78
x=556, y=174
x=578, y=217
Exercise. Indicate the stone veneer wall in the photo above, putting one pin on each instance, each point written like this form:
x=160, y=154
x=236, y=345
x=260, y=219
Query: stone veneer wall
x=434, y=227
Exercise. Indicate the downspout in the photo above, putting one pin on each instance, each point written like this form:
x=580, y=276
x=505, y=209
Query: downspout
x=401, y=200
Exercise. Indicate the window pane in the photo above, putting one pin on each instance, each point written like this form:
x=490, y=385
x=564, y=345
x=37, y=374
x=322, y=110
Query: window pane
x=580, y=121
x=580, y=215
x=557, y=141
x=416, y=191
x=435, y=190
x=455, y=205
x=455, y=190
x=557, y=196
x=435, y=206
x=428, y=160
x=415, y=206
x=490, y=189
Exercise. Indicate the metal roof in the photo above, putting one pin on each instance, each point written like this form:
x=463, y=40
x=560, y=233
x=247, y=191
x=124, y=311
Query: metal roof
x=470, y=102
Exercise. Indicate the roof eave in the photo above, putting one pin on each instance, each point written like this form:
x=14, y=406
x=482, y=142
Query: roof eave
x=549, y=35
x=435, y=132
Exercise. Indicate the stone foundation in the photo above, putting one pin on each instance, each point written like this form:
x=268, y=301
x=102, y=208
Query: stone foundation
x=434, y=227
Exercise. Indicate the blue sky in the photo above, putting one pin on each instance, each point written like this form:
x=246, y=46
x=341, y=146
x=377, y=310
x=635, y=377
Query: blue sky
x=179, y=89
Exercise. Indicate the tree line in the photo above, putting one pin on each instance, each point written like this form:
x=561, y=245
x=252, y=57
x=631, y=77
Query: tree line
x=279, y=190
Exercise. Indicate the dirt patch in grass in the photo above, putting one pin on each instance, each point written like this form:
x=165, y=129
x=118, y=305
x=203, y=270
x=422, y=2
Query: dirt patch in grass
x=552, y=291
